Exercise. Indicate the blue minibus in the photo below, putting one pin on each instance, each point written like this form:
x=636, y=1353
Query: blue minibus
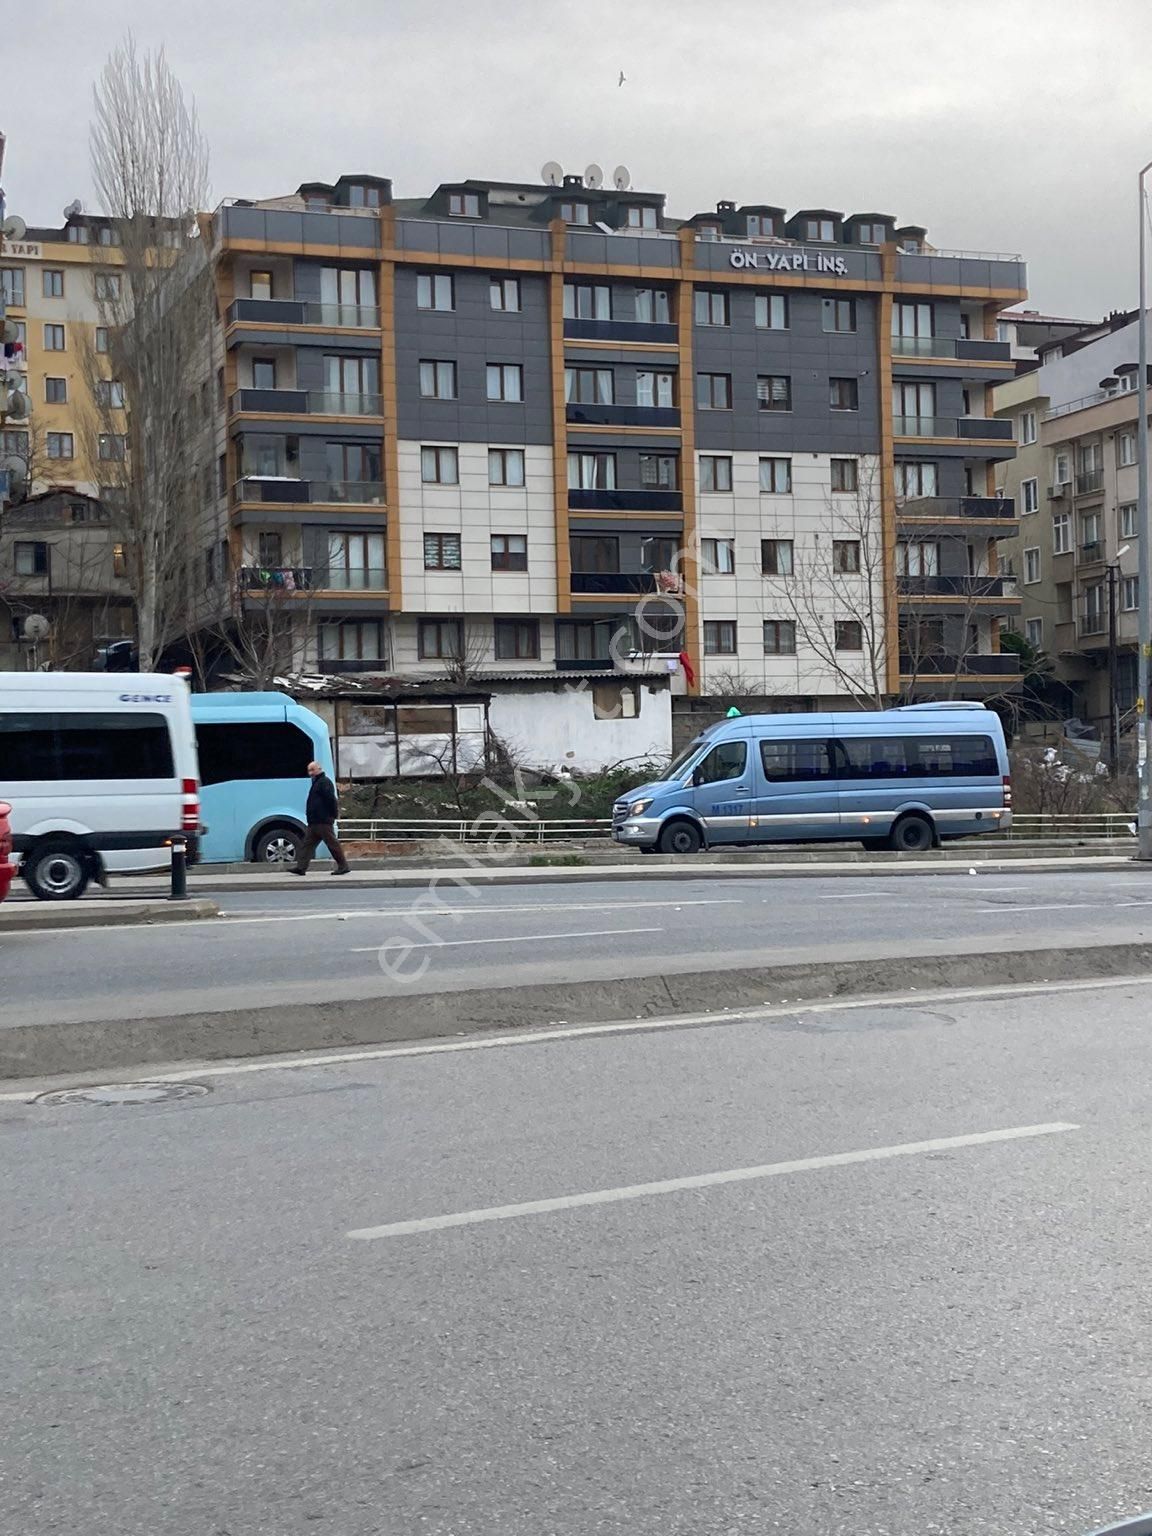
x=254, y=751
x=903, y=778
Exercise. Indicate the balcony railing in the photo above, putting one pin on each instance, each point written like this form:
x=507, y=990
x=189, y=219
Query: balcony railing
x=1091, y=553
x=284, y=490
x=310, y=578
x=1094, y=624
x=350, y=579
x=1089, y=482
x=1000, y=664
x=305, y=402
x=624, y=500
x=996, y=509
x=613, y=582
x=951, y=426
x=360, y=317
x=620, y=330
x=623, y=415
x=978, y=587
x=962, y=348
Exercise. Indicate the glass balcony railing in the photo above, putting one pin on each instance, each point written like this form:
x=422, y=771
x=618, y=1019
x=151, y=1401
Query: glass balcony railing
x=360, y=317
x=305, y=402
x=351, y=578
x=285, y=489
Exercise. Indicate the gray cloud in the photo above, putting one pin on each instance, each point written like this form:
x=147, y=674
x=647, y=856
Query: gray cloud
x=1013, y=125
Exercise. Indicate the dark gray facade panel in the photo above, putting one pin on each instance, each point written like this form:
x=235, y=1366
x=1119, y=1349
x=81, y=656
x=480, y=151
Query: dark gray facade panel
x=622, y=250
x=288, y=228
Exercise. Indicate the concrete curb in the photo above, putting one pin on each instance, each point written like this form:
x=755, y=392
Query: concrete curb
x=29, y=917
x=45, y=1050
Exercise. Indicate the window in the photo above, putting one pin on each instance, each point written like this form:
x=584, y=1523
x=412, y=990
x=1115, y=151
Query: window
x=779, y=637
x=589, y=386
x=98, y=747
x=865, y=757
x=1029, y=496
x=594, y=553
x=220, y=399
x=1094, y=610
x=1027, y=427
x=110, y=393
x=776, y=557
x=442, y=552
x=796, y=762
x=58, y=445
x=56, y=391
x=54, y=338
x=1031, y=566
x=1090, y=530
x=592, y=471
x=509, y=552
x=1130, y=593
x=517, y=639
x=871, y=234
x=1062, y=469
x=575, y=213
x=1061, y=533
x=440, y=466
x=846, y=556
x=53, y=279
x=1034, y=632
x=588, y=301
x=270, y=550
x=714, y=391
x=222, y=475
x=845, y=475
x=912, y=321
x=260, y=285
x=464, y=205
x=112, y=447
x=839, y=314
x=772, y=311
x=356, y=562
x=363, y=197
x=583, y=639
x=351, y=640
x=918, y=557
x=656, y=388
x=660, y=471
x=720, y=640
x=718, y=557
x=849, y=635
x=915, y=478
x=119, y=561
x=1128, y=524
x=504, y=293
x=505, y=381
x=774, y=392
x=711, y=306
x=776, y=476
x=709, y=231
x=726, y=761
x=440, y=639
x=228, y=753
x=14, y=444
x=12, y=285
x=715, y=472
x=435, y=290
x=615, y=701
x=653, y=306
x=506, y=466
x=107, y=285
x=913, y=409
x=640, y=217
x=1125, y=448
x=1003, y=331
x=437, y=380
x=844, y=394
x=819, y=229
x=350, y=291
x=760, y=225
x=31, y=559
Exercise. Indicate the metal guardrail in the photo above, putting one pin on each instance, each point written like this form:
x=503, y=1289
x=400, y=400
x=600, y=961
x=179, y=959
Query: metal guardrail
x=469, y=829
x=1106, y=824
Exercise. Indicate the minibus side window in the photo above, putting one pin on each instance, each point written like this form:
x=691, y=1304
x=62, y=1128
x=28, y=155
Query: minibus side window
x=725, y=761
x=791, y=762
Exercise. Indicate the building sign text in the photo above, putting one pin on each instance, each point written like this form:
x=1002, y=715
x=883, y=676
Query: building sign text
x=790, y=261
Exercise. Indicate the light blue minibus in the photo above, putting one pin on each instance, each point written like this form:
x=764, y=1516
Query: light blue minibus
x=254, y=751
x=902, y=778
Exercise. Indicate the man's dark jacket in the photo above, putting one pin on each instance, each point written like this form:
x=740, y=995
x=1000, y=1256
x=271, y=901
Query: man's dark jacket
x=323, y=806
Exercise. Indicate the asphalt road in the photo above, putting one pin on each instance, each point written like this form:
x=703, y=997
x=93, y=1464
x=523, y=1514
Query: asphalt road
x=326, y=941
x=926, y=1339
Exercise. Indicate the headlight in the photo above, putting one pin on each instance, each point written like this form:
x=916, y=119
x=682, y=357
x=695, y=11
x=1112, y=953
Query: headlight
x=638, y=807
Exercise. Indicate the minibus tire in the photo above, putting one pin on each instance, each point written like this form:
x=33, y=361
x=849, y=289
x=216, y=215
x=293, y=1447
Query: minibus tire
x=684, y=833
x=282, y=838
x=56, y=871
x=912, y=834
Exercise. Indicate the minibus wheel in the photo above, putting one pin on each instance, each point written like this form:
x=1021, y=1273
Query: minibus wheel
x=56, y=871
x=680, y=837
x=912, y=834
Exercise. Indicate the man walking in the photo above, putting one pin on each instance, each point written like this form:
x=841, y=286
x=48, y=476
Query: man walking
x=320, y=814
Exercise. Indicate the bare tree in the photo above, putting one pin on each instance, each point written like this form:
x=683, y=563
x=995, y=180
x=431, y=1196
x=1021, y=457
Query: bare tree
x=471, y=655
x=153, y=296
x=262, y=635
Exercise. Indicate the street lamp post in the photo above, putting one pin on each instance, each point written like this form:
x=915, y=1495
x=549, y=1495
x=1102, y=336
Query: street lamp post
x=1113, y=731
x=1144, y=744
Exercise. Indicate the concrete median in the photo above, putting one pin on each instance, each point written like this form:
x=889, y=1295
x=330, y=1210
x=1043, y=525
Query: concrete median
x=43, y=1050
x=33, y=916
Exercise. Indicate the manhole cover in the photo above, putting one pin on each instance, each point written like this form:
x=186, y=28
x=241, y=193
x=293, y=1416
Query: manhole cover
x=123, y=1093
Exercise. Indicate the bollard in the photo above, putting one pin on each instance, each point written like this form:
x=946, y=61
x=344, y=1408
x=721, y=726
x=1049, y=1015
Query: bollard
x=179, y=890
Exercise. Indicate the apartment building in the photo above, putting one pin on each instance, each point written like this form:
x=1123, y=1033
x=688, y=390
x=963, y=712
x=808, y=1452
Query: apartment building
x=1075, y=553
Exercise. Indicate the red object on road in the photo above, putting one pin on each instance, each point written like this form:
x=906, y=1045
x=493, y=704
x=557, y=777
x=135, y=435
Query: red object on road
x=6, y=870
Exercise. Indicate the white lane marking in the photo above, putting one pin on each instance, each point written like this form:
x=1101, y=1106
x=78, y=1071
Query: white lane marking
x=515, y=938
x=565, y=1032
x=1051, y=906
x=704, y=1181
x=854, y=895
x=1127, y=903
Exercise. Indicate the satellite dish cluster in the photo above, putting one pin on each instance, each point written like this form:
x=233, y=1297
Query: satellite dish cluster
x=552, y=175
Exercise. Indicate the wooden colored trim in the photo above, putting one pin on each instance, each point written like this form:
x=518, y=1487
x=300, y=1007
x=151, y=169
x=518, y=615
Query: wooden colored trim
x=259, y=326
x=608, y=427
x=234, y=247
x=622, y=346
x=915, y=600
x=690, y=542
x=559, y=233
x=274, y=417
x=271, y=510
x=996, y=443
x=386, y=289
x=888, y=481
x=1001, y=365
x=626, y=515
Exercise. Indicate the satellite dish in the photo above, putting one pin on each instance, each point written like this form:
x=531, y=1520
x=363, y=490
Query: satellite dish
x=552, y=173
x=9, y=331
x=36, y=627
x=73, y=208
x=13, y=227
x=593, y=176
x=621, y=178
x=17, y=408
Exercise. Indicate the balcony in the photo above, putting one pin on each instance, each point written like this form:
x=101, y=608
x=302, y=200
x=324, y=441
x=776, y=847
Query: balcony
x=1094, y=624
x=356, y=317
x=1001, y=664
x=307, y=578
x=305, y=402
x=624, y=500
x=350, y=579
x=1092, y=553
x=979, y=588
x=623, y=415
x=981, y=509
x=283, y=490
x=961, y=348
x=981, y=428
x=620, y=330
x=612, y=583
x=1090, y=482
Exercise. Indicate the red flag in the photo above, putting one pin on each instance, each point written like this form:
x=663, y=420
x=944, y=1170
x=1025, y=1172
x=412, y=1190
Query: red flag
x=686, y=663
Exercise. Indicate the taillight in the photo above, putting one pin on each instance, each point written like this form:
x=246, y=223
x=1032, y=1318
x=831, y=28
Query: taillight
x=1007, y=791
x=190, y=805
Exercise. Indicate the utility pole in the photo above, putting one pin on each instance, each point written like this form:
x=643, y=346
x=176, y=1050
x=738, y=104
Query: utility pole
x=1144, y=743
x=1113, y=723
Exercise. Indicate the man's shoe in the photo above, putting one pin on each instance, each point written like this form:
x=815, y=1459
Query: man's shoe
x=347, y=870
x=300, y=872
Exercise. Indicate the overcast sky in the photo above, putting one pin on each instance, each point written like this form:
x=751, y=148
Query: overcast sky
x=1001, y=125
